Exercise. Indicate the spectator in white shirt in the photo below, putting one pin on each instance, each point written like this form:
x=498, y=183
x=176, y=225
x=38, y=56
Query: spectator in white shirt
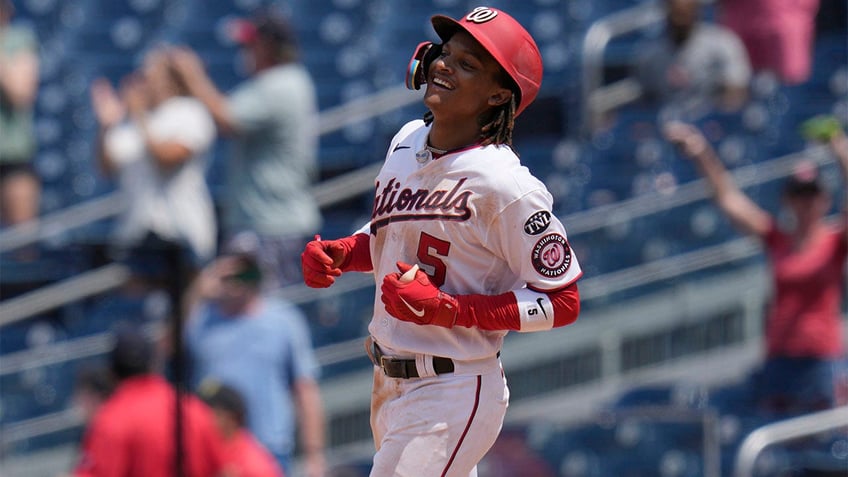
x=153, y=140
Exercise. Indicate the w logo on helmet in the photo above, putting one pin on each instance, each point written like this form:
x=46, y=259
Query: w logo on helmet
x=481, y=15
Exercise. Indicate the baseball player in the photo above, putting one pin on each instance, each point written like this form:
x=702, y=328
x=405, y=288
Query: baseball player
x=464, y=246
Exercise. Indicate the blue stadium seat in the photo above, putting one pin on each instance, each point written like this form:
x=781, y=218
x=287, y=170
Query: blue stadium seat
x=13, y=337
x=203, y=12
x=825, y=455
x=569, y=459
x=110, y=309
x=356, y=468
x=649, y=395
x=625, y=446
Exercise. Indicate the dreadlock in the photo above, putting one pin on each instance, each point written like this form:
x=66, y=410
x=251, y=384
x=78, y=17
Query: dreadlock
x=499, y=129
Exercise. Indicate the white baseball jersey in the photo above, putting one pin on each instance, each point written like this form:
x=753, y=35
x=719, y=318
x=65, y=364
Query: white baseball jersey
x=476, y=221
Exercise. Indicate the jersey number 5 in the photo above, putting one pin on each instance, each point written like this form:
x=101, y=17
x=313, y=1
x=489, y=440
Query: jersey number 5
x=430, y=252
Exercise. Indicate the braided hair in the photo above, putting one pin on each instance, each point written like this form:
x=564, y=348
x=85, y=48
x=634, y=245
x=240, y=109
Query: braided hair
x=499, y=129
x=496, y=127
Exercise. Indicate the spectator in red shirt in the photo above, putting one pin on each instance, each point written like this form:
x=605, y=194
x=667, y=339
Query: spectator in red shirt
x=803, y=332
x=132, y=433
x=246, y=456
x=778, y=34
x=511, y=456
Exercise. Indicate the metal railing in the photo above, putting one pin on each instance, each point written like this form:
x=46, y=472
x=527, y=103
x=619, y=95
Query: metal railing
x=61, y=221
x=597, y=97
x=598, y=37
x=655, y=202
x=785, y=431
x=52, y=296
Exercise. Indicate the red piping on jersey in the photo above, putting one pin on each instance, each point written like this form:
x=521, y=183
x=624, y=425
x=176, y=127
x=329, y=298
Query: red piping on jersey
x=378, y=224
x=467, y=426
x=469, y=147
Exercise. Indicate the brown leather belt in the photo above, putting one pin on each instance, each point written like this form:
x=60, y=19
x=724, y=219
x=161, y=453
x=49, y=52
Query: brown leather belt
x=402, y=367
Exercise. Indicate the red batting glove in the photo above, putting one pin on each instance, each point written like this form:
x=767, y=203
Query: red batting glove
x=320, y=263
x=323, y=260
x=418, y=301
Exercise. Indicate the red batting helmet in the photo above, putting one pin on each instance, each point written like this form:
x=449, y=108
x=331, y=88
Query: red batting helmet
x=506, y=40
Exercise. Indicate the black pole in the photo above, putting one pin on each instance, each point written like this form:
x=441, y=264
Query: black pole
x=175, y=284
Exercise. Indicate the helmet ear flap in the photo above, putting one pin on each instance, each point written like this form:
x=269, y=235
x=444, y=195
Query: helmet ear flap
x=419, y=64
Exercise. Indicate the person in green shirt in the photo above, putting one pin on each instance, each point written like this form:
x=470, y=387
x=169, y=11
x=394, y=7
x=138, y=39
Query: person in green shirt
x=18, y=89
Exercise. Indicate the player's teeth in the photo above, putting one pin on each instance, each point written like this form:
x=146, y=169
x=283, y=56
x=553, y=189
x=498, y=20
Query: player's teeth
x=442, y=83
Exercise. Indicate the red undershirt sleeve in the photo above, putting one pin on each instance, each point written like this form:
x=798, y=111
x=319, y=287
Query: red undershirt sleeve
x=502, y=312
x=357, y=253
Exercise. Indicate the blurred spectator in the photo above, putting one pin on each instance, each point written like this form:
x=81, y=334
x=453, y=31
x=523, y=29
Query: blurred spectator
x=247, y=457
x=20, y=196
x=20, y=188
x=511, y=456
x=803, y=328
x=154, y=139
x=132, y=433
x=777, y=34
x=94, y=385
x=259, y=345
x=272, y=118
x=695, y=65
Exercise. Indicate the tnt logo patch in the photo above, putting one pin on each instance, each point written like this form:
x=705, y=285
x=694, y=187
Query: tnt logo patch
x=481, y=15
x=551, y=256
x=537, y=223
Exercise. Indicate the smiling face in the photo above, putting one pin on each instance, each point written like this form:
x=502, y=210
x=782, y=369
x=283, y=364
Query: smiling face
x=464, y=81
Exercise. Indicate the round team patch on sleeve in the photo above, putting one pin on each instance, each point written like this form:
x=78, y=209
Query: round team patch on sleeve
x=551, y=255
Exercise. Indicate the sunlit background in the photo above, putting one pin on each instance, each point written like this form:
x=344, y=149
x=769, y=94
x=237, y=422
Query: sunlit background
x=643, y=385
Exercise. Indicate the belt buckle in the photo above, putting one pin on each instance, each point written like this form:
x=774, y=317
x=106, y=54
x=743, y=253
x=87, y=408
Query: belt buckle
x=403, y=373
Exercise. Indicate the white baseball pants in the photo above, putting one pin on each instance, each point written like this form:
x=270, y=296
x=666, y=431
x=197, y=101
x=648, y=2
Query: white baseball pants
x=438, y=426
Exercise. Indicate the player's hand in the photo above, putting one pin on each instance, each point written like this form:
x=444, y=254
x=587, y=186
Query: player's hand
x=320, y=262
x=685, y=137
x=418, y=300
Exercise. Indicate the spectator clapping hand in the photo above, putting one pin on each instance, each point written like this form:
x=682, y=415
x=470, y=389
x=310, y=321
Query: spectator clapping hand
x=137, y=95
x=187, y=64
x=211, y=279
x=685, y=137
x=108, y=107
